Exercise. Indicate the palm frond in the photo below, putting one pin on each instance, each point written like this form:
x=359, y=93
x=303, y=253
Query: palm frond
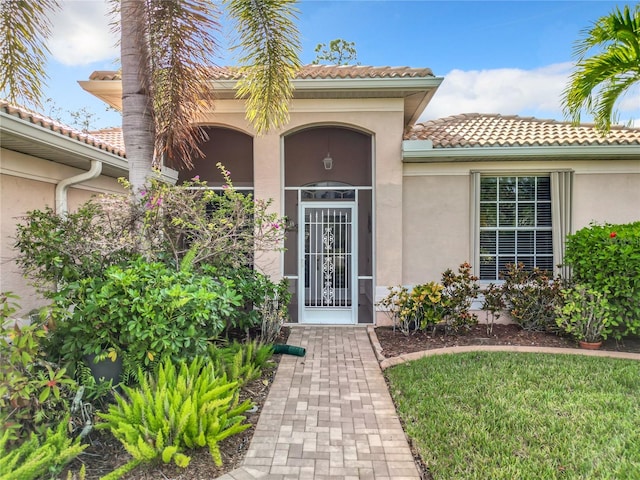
x=599, y=80
x=182, y=46
x=24, y=28
x=269, y=42
x=604, y=111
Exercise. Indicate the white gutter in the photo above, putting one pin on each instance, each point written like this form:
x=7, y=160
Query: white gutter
x=422, y=151
x=61, y=188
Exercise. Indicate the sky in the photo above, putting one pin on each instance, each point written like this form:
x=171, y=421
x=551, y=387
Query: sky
x=506, y=57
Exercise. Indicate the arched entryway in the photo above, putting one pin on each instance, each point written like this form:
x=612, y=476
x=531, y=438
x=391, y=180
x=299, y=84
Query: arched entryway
x=233, y=149
x=328, y=257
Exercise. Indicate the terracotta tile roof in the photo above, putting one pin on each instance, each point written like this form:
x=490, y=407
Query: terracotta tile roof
x=48, y=123
x=309, y=72
x=110, y=136
x=485, y=130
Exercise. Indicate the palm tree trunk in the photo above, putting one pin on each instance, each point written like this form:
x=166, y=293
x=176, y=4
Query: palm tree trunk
x=137, y=118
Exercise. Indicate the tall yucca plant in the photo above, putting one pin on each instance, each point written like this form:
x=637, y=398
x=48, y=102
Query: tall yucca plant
x=600, y=80
x=167, y=49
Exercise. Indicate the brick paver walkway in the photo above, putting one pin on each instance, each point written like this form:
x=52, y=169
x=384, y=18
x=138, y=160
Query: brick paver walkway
x=328, y=415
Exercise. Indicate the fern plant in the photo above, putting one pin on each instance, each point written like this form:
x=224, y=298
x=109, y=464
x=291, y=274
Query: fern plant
x=183, y=407
x=38, y=455
x=240, y=362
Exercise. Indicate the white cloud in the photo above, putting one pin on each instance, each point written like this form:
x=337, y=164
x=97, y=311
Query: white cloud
x=508, y=91
x=514, y=91
x=81, y=33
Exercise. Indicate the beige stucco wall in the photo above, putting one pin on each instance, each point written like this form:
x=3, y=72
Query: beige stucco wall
x=28, y=183
x=437, y=221
x=436, y=226
x=606, y=198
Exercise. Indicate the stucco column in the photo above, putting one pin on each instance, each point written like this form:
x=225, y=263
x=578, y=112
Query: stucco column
x=267, y=181
x=389, y=213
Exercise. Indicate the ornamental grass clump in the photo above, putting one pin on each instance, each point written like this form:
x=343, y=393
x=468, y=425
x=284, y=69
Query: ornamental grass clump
x=184, y=406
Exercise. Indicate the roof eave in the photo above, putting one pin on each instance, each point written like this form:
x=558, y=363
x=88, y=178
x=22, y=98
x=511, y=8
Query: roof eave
x=66, y=150
x=110, y=91
x=413, y=152
x=58, y=143
x=327, y=84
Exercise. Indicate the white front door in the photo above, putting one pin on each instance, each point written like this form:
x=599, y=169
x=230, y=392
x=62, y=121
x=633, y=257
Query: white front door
x=328, y=263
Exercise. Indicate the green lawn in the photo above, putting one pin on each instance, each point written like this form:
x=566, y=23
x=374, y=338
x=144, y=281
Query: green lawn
x=491, y=416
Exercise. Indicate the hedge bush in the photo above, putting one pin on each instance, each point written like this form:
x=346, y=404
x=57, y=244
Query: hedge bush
x=606, y=258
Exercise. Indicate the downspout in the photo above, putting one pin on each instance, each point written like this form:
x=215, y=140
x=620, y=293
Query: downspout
x=61, y=188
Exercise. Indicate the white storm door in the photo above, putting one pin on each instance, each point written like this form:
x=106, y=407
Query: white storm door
x=328, y=263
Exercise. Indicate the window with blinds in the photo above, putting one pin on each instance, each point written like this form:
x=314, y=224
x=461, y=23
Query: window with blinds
x=515, y=224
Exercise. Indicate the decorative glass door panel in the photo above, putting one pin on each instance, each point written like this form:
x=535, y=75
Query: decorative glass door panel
x=328, y=263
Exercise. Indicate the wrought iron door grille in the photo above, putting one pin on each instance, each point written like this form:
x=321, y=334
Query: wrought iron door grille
x=328, y=257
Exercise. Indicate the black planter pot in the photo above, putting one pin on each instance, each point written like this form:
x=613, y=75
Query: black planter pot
x=105, y=370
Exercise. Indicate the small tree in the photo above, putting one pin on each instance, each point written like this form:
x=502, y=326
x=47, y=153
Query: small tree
x=339, y=52
x=493, y=304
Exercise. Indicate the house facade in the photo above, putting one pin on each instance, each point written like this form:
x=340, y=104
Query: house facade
x=374, y=199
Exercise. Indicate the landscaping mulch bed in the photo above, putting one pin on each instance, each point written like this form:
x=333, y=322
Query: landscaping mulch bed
x=394, y=343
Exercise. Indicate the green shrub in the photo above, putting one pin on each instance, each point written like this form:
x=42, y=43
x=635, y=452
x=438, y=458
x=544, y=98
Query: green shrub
x=432, y=304
x=532, y=297
x=60, y=249
x=166, y=224
x=460, y=289
x=38, y=455
x=257, y=291
x=186, y=406
x=273, y=311
x=224, y=229
x=33, y=392
x=414, y=309
x=606, y=258
x=493, y=303
x=584, y=314
x=143, y=311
